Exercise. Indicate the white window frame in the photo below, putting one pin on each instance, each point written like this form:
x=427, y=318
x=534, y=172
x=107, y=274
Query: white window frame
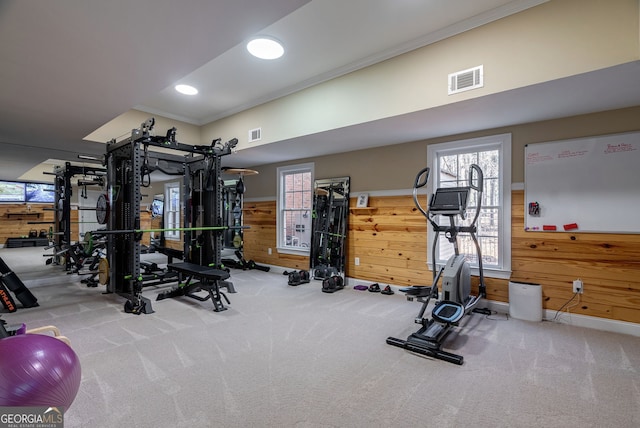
x=172, y=215
x=280, y=241
x=501, y=142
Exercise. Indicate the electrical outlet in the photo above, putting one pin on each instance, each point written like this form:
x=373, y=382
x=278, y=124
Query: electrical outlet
x=357, y=261
x=578, y=286
x=269, y=251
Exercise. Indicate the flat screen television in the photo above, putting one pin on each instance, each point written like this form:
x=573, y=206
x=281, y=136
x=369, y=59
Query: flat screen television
x=12, y=191
x=40, y=193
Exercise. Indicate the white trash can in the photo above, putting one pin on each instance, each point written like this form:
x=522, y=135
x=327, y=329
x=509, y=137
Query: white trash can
x=525, y=301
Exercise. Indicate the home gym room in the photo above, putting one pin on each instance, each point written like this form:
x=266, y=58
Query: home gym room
x=296, y=194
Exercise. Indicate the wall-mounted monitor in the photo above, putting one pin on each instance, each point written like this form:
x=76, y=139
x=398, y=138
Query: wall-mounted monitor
x=40, y=193
x=11, y=191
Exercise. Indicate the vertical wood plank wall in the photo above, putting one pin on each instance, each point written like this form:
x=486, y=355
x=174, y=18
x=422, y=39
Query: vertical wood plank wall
x=16, y=226
x=389, y=238
x=261, y=217
x=608, y=264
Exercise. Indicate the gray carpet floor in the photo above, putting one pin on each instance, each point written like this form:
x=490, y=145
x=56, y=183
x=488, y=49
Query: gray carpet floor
x=284, y=356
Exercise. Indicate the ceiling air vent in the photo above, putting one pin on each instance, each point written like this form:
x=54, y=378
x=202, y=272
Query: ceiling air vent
x=465, y=80
x=255, y=134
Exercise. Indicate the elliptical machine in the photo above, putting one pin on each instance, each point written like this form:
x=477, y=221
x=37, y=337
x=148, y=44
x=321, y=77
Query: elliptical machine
x=456, y=300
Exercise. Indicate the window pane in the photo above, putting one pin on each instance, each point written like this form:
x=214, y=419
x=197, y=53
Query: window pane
x=491, y=196
x=296, y=198
x=307, y=199
x=490, y=251
x=489, y=161
x=172, y=210
x=465, y=161
x=489, y=222
x=448, y=167
x=296, y=230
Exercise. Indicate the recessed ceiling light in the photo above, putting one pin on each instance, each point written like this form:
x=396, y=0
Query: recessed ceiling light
x=186, y=89
x=265, y=48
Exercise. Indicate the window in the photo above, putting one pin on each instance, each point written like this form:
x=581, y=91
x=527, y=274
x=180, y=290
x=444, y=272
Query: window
x=449, y=164
x=295, y=200
x=172, y=211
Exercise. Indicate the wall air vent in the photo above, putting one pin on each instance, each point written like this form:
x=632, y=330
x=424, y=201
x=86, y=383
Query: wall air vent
x=465, y=80
x=255, y=134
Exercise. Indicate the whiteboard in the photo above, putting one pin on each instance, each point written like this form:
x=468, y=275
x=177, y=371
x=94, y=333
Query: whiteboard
x=584, y=185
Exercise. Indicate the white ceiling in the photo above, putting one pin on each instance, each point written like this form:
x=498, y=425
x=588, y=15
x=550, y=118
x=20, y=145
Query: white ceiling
x=324, y=39
x=70, y=66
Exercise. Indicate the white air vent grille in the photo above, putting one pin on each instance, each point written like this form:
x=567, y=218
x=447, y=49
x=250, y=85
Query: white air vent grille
x=465, y=80
x=255, y=134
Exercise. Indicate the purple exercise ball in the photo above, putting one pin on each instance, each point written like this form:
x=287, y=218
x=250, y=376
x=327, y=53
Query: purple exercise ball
x=38, y=370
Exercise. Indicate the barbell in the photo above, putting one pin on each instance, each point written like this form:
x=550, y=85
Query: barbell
x=169, y=229
x=88, y=236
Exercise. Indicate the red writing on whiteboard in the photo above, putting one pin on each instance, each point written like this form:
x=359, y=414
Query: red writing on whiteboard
x=616, y=148
x=537, y=157
x=571, y=154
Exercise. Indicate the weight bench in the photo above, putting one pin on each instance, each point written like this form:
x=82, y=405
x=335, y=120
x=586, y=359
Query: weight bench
x=207, y=278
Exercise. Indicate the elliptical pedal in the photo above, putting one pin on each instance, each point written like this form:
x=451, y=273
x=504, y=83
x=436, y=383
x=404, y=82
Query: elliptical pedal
x=447, y=312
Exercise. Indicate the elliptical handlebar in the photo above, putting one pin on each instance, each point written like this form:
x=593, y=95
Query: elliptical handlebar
x=478, y=187
x=424, y=172
x=479, y=179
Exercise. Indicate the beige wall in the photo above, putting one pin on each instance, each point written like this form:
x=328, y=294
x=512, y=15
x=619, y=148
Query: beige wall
x=394, y=167
x=120, y=128
x=557, y=39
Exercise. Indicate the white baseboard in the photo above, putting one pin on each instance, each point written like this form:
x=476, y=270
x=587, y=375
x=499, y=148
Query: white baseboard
x=603, y=324
x=577, y=320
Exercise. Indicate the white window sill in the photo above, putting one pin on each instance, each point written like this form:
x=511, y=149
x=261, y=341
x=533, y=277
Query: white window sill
x=289, y=250
x=492, y=273
x=488, y=273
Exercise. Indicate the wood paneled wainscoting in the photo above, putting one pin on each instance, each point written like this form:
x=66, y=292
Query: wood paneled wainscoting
x=389, y=239
x=261, y=235
x=608, y=265
x=15, y=218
